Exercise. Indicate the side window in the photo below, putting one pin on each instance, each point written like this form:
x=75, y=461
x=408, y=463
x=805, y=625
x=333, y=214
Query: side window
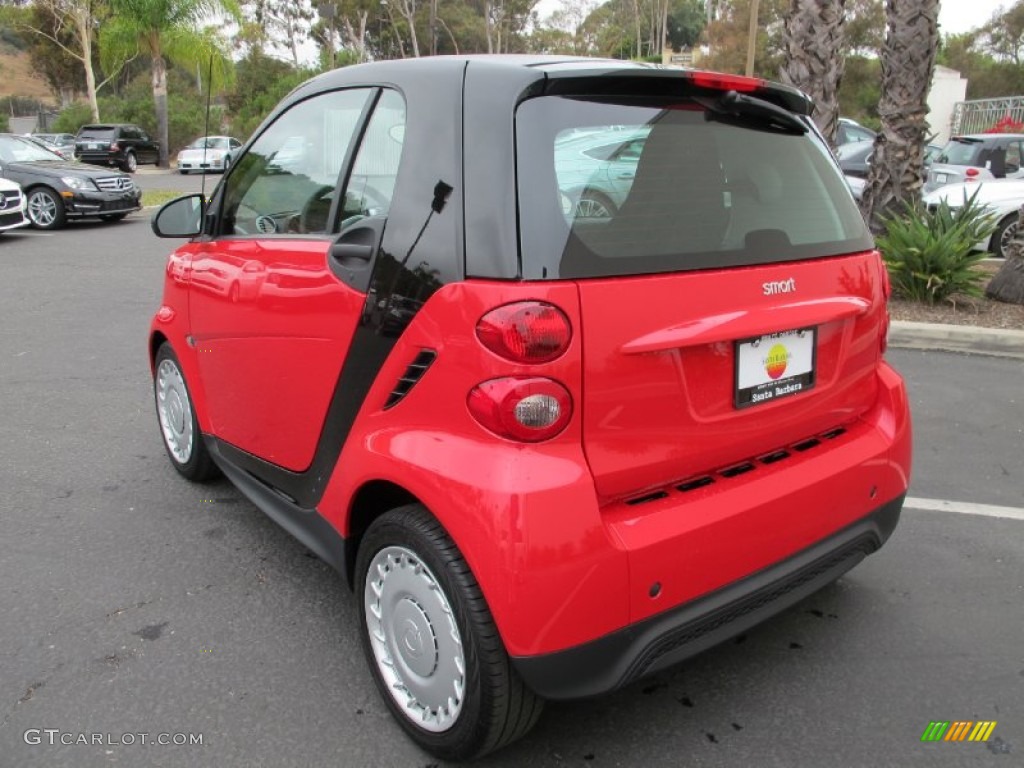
x=1013, y=157
x=371, y=185
x=285, y=183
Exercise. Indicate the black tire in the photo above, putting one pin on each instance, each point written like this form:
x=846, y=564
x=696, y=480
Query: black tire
x=44, y=208
x=177, y=421
x=130, y=164
x=1003, y=234
x=183, y=171
x=496, y=706
x=592, y=204
x=227, y=164
x=113, y=216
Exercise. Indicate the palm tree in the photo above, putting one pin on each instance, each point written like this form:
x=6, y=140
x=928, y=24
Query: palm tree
x=167, y=30
x=1008, y=283
x=908, y=60
x=814, y=57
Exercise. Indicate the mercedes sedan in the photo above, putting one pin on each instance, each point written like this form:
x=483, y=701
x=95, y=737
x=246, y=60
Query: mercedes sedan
x=57, y=190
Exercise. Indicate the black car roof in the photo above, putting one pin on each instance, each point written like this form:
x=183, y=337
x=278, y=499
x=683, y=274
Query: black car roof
x=526, y=73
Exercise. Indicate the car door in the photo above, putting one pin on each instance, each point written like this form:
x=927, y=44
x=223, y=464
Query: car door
x=272, y=341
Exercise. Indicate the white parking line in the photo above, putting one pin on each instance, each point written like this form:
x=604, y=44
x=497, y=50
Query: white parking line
x=964, y=508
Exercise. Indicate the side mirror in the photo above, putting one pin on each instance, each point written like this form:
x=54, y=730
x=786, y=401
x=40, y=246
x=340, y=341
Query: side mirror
x=181, y=217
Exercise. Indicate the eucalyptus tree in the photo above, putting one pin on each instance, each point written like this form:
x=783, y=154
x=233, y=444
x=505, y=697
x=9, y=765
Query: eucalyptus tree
x=908, y=61
x=169, y=30
x=71, y=26
x=814, y=56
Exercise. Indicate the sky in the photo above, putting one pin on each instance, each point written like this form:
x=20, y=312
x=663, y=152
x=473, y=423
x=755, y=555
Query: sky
x=954, y=15
x=965, y=15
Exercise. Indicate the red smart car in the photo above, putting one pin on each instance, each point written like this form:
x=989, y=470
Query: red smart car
x=573, y=368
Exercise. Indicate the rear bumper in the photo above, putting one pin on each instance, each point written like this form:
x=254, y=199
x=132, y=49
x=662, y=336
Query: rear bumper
x=661, y=641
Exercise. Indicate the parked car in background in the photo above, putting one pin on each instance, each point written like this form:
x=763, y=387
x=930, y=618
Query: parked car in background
x=57, y=189
x=558, y=452
x=977, y=157
x=208, y=153
x=1003, y=197
x=597, y=169
x=123, y=145
x=61, y=143
x=12, y=206
x=855, y=157
x=850, y=131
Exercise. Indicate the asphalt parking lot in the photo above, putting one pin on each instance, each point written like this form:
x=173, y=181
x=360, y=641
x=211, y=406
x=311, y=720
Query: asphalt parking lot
x=135, y=603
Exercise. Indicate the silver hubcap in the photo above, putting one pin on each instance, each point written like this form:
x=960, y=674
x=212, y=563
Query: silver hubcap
x=588, y=208
x=42, y=209
x=1004, y=241
x=415, y=640
x=175, y=411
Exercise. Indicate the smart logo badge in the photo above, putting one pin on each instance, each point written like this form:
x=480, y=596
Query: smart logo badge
x=959, y=730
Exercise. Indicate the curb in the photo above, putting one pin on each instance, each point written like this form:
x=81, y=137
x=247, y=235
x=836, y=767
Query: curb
x=968, y=339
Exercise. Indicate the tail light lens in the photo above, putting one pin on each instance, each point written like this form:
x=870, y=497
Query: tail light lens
x=721, y=82
x=525, y=332
x=113, y=146
x=971, y=173
x=528, y=409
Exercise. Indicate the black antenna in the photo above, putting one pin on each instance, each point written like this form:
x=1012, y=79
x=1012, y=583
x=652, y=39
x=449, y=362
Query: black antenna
x=206, y=125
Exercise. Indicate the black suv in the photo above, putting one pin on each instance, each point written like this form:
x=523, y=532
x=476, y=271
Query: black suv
x=120, y=144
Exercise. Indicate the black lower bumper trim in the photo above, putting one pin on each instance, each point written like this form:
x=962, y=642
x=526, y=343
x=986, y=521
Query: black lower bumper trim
x=661, y=641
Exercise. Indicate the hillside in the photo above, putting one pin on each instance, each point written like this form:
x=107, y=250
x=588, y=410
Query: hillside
x=17, y=77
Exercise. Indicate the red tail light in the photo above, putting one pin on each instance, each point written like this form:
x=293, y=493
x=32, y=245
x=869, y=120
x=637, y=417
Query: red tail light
x=114, y=147
x=525, y=409
x=971, y=173
x=525, y=332
x=726, y=82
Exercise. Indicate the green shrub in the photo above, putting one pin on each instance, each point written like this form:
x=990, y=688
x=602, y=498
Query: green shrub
x=929, y=252
x=4, y=126
x=72, y=117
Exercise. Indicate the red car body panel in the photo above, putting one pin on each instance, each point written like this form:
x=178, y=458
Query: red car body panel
x=659, y=389
x=270, y=360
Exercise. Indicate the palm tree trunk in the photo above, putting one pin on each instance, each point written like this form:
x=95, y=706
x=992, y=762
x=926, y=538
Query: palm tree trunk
x=1008, y=283
x=814, y=59
x=160, y=101
x=908, y=60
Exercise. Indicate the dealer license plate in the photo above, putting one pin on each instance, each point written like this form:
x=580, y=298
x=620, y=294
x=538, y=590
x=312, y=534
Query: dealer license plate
x=774, y=365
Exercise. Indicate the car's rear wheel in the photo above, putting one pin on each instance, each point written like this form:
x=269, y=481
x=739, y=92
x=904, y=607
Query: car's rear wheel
x=1003, y=235
x=594, y=205
x=179, y=426
x=431, y=643
x=45, y=208
x=130, y=164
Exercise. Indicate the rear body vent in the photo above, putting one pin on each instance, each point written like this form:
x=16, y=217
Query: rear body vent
x=411, y=377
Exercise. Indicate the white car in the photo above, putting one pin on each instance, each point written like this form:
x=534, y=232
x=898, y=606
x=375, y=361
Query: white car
x=1004, y=197
x=12, y=206
x=208, y=153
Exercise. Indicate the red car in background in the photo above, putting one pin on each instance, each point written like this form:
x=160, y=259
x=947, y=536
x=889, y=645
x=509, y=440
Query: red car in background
x=551, y=452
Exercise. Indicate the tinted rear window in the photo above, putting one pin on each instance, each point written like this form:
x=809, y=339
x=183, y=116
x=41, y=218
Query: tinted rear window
x=624, y=188
x=959, y=152
x=96, y=132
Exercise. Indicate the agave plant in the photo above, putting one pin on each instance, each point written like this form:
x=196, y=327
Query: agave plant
x=930, y=250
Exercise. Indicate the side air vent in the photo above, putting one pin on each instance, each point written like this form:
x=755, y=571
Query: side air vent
x=647, y=497
x=411, y=377
x=693, y=485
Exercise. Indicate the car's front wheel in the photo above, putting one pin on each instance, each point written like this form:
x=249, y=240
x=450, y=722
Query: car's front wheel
x=431, y=643
x=45, y=208
x=179, y=426
x=1003, y=235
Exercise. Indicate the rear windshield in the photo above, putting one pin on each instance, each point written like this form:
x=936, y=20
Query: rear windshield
x=962, y=152
x=96, y=132
x=613, y=188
